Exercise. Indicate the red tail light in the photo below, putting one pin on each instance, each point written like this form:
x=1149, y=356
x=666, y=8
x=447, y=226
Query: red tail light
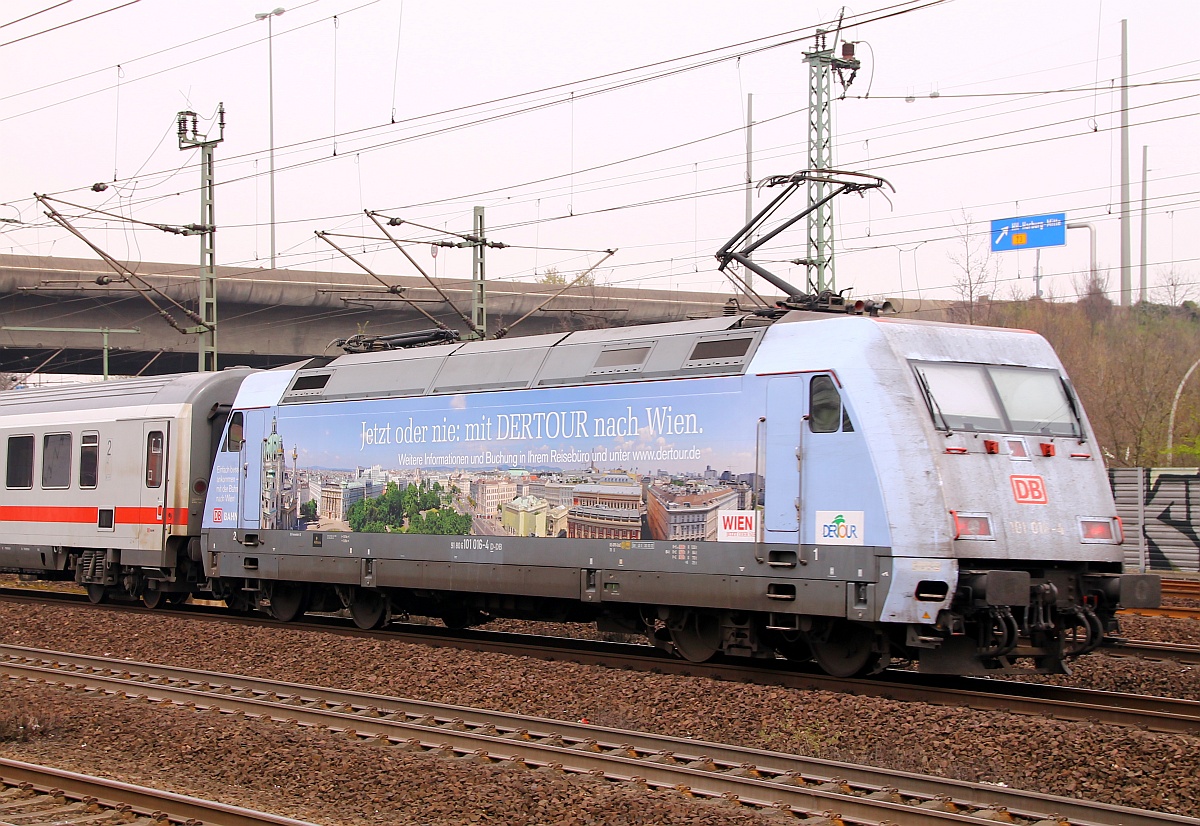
x=1104, y=530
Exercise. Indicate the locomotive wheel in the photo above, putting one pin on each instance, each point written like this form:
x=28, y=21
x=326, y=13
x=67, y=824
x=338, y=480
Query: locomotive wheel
x=96, y=594
x=178, y=597
x=370, y=609
x=695, y=634
x=153, y=598
x=846, y=651
x=289, y=600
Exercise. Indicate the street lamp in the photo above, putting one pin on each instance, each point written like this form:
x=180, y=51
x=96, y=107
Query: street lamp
x=268, y=15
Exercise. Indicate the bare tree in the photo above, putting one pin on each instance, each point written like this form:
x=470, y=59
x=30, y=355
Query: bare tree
x=1093, y=296
x=7, y=380
x=976, y=280
x=1175, y=287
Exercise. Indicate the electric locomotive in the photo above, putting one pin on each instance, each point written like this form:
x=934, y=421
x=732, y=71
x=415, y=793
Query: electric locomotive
x=850, y=489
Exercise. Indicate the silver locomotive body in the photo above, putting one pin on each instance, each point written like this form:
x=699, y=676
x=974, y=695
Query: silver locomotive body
x=847, y=489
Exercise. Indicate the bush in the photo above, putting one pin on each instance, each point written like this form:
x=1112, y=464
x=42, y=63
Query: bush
x=19, y=726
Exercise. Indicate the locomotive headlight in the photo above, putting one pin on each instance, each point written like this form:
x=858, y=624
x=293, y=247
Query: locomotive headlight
x=1104, y=530
x=972, y=525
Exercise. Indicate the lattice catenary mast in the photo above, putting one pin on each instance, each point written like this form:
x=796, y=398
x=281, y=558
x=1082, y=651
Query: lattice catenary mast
x=821, y=66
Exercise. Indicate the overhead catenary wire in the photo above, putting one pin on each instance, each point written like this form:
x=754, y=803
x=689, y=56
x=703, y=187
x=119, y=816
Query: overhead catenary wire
x=69, y=23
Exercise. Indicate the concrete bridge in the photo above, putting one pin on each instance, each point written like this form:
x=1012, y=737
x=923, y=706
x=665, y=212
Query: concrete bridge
x=266, y=317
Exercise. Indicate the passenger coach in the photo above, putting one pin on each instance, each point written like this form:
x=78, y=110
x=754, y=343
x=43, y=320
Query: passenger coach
x=105, y=483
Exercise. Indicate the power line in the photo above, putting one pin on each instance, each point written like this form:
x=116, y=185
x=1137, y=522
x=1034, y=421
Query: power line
x=68, y=23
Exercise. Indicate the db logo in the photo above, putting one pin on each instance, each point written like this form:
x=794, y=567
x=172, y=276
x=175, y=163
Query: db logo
x=218, y=514
x=1029, y=490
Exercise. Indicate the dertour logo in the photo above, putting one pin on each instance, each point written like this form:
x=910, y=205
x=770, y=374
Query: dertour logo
x=839, y=528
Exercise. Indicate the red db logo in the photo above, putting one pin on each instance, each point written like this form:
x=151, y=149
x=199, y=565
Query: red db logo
x=1029, y=490
x=218, y=514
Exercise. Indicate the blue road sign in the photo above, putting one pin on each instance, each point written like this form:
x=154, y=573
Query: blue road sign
x=1029, y=232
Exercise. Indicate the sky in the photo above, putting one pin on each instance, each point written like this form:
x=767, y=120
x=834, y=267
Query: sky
x=586, y=127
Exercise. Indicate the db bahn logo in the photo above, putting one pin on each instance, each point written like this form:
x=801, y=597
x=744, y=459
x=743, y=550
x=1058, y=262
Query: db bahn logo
x=218, y=514
x=1029, y=490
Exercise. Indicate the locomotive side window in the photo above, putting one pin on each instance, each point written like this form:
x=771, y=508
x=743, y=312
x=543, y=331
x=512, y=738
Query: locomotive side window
x=89, y=459
x=824, y=405
x=154, y=459
x=983, y=397
x=19, y=473
x=233, y=442
x=56, y=461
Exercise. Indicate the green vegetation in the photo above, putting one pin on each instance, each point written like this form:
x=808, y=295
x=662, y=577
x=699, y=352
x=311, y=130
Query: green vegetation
x=423, y=509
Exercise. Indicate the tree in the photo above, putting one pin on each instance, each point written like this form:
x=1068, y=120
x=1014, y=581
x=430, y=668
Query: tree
x=555, y=278
x=1125, y=365
x=976, y=281
x=308, y=510
x=1176, y=288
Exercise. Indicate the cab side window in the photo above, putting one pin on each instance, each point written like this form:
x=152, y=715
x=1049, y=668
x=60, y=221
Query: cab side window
x=825, y=411
x=234, y=440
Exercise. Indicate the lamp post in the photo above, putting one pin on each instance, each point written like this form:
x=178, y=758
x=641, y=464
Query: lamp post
x=268, y=15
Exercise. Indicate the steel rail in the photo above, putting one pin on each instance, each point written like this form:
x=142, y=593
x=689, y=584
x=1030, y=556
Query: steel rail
x=1170, y=611
x=750, y=776
x=1181, y=587
x=1078, y=705
x=155, y=804
x=1146, y=650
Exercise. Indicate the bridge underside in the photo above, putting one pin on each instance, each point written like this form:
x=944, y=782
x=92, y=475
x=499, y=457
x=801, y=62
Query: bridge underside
x=267, y=318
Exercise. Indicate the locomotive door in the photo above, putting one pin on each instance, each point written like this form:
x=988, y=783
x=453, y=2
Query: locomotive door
x=153, y=496
x=785, y=411
x=250, y=482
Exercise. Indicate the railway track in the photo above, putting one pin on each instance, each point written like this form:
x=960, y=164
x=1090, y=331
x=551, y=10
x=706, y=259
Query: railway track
x=1181, y=587
x=789, y=784
x=1172, y=611
x=1160, y=714
x=1141, y=649
x=39, y=794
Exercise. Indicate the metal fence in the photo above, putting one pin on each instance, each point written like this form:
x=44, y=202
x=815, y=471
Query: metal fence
x=1160, y=509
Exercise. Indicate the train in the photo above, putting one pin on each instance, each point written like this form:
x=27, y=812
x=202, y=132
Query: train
x=850, y=489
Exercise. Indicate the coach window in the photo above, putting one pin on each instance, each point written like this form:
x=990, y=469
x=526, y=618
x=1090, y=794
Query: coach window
x=20, y=462
x=825, y=411
x=89, y=459
x=233, y=442
x=154, y=459
x=56, y=461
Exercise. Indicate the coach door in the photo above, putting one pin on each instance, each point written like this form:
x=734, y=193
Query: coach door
x=152, y=513
x=785, y=411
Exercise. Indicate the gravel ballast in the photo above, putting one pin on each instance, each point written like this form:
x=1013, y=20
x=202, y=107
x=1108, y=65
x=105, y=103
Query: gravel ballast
x=317, y=776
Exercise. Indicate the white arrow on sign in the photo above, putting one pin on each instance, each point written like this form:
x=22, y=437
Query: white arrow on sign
x=1000, y=237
